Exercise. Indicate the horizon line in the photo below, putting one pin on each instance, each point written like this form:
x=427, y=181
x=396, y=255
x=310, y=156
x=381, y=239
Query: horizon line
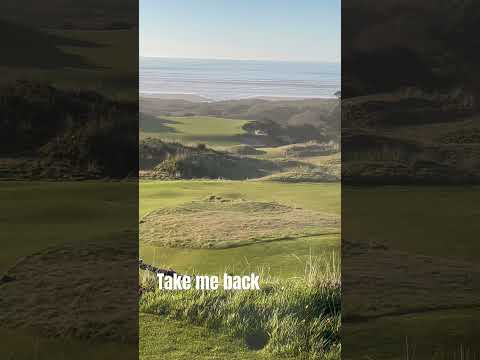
x=234, y=59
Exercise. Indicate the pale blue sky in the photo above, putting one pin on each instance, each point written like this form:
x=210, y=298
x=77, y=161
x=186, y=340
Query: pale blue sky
x=296, y=30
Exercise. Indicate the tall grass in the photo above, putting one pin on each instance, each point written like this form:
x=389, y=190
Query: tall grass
x=298, y=317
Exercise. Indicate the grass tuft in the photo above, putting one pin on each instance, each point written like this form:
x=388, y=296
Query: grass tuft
x=297, y=317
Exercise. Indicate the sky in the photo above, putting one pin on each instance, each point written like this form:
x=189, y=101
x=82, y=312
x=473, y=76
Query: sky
x=290, y=30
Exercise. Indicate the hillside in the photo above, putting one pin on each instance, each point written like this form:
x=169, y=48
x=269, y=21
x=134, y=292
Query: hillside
x=427, y=44
x=161, y=160
x=411, y=136
x=289, y=121
x=52, y=133
x=171, y=160
x=411, y=93
x=69, y=14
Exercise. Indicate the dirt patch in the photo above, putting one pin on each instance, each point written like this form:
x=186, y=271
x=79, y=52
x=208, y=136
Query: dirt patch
x=218, y=222
x=84, y=291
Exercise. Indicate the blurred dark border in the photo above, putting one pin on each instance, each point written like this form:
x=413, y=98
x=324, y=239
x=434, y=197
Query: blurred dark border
x=69, y=179
x=410, y=174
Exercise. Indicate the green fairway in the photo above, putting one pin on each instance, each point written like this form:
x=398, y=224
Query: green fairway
x=102, y=64
x=24, y=346
x=444, y=334
x=430, y=220
x=323, y=197
x=436, y=221
x=46, y=214
x=43, y=214
x=281, y=259
x=189, y=341
x=213, y=131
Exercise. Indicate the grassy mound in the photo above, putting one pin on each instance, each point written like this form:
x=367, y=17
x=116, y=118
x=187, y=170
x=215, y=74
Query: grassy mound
x=445, y=283
x=212, y=164
x=245, y=150
x=231, y=222
x=310, y=148
x=168, y=160
x=65, y=134
x=303, y=175
x=289, y=318
x=97, y=309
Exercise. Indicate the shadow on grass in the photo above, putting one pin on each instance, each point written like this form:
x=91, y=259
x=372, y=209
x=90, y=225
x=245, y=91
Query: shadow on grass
x=32, y=48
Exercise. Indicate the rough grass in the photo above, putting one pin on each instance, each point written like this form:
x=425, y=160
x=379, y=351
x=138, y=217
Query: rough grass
x=49, y=214
x=230, y=332
x=245, y=150
x=283, y=258
x=305, y=174
x=222, y=222
x=212, y=165
x=89, y=305
x=310, y=167
x=168, y=161
x=301, y=150
x=214, y=131
x=291, y=318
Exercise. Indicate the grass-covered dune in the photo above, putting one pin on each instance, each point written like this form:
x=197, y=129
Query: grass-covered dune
x=163, y=160
x=65, y=134
x=301, y=119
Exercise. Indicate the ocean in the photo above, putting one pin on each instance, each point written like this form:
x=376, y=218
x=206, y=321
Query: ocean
x=217, y=80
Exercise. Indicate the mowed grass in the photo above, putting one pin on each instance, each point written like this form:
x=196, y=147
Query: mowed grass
x=438, y=221
x=284, y=258
x=109, y=55
x=214, y=131
x=437, y=335
x=17, y=345
x=187, y=341
x=44, y=214
x=431, y=220
x=322, y=197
